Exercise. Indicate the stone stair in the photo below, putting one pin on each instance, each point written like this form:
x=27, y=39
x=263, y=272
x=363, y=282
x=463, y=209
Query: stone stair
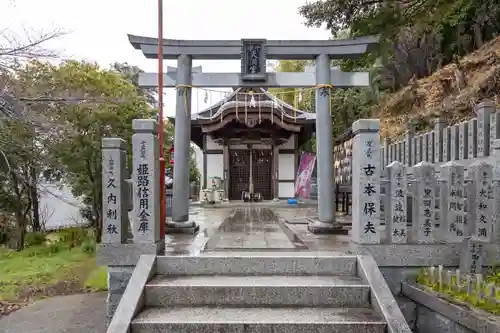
x=252, y=294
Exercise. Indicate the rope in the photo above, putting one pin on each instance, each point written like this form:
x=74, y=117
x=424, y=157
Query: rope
x=253, y=94
x=184, y=88
x=329, y=87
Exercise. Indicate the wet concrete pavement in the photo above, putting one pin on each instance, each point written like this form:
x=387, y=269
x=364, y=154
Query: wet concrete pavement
x=252, y=228
x=297, y=221
x=255, y=228
x=209, y=220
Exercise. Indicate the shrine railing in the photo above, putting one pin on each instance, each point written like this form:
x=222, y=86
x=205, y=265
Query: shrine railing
x=342, y=158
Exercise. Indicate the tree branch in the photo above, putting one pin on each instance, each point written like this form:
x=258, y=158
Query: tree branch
x=13, y=47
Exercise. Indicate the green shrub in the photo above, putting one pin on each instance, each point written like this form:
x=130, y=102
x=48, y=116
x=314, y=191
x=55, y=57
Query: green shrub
x=88, y=246
x=74, y=235
x=97, y=279
x=55, y=248
x=34, y=238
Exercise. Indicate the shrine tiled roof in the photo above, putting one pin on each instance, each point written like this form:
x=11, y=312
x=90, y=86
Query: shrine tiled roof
x=269, y=101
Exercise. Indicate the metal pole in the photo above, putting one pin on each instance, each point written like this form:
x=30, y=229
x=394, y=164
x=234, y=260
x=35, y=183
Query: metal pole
x=161, y=132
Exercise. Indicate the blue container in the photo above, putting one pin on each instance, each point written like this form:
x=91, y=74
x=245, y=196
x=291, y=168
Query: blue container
x=292, y=201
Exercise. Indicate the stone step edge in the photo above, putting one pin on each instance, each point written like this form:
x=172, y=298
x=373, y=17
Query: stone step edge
x=257, y=281
x=257, y=256
x=216, y=315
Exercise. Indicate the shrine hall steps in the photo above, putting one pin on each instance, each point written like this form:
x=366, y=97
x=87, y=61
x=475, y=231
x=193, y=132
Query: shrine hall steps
x=257, y=294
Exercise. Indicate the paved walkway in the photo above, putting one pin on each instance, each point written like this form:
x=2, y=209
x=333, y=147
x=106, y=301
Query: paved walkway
x=83, y=313
x=251, y=229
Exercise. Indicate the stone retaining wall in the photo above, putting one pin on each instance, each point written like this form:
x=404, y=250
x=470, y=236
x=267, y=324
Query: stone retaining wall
x=433, y=314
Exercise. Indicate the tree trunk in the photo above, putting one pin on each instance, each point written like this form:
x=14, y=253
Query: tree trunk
x=20, y=231
x=34, y=200
x=478, y=35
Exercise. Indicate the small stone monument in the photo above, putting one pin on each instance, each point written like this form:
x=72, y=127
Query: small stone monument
x=424, y=203
x=397, y=210
x=471, y=259
x=453, y=202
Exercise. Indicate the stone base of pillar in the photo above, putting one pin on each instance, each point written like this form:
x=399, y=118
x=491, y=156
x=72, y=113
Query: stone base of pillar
x=335, y=228
x=188, y=227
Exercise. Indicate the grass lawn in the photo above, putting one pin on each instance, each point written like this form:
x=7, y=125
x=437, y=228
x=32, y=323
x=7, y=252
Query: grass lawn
x=56, y=268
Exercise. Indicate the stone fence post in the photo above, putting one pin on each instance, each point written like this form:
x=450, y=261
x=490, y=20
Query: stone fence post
x=366, y=172
x=145, y=184
x=115, y=221
x=116, y=251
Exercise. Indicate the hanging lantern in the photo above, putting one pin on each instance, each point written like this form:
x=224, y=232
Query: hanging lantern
x=172, y=150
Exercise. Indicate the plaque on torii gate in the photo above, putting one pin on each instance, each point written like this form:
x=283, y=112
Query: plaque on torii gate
x=253, y=54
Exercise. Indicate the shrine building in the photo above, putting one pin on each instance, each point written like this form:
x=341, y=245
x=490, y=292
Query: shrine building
x=251, y=132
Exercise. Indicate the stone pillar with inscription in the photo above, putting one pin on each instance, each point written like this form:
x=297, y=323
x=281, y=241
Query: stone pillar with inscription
x=326, y=208
x=146, y=188
x=494, y=128
x=453, y=202
x=472, y=256
x=439, y=125
x=115, y=221
x=424, y=204
x=180, y=210
x=463, y=140
x=484, y=111
x=472, y=141
x=366, y=172
x=480, y=201
x=495, y=153
x=395, y=225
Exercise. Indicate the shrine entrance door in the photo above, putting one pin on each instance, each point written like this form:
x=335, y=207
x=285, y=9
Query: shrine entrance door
x=239, y=173
x=262, y=162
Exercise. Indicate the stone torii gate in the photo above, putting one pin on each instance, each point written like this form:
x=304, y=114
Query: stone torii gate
x=253, y=54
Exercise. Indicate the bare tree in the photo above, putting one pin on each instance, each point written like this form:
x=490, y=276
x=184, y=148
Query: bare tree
x=14, y=47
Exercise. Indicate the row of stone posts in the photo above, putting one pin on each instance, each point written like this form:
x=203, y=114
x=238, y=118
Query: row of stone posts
x=425, y=206
x=130, y=207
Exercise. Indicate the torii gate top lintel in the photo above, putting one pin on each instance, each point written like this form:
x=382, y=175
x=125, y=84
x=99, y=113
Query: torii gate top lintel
x=274, y=49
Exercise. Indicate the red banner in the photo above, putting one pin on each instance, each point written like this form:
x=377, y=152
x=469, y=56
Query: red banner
x=304, y=174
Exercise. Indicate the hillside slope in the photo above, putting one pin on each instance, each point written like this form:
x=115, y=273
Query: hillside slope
x=440, y=95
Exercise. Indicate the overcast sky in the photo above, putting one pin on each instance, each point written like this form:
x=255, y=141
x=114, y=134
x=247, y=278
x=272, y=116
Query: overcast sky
x=98, y=28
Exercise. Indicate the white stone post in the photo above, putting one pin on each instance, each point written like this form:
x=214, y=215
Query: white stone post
x=395, y=225
x=439, y=126
x=410, y=132
x=366, y=172
x=472, y=141
x=424, y=203
x=446, y=144
x=454, y=143
x=494, y=129
x=484, y=111
x=418, y=149
x=453, y=202
x=114, y=191
x=480, y=201
x=146, y=183
x=463, y=140
x=495, y=147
